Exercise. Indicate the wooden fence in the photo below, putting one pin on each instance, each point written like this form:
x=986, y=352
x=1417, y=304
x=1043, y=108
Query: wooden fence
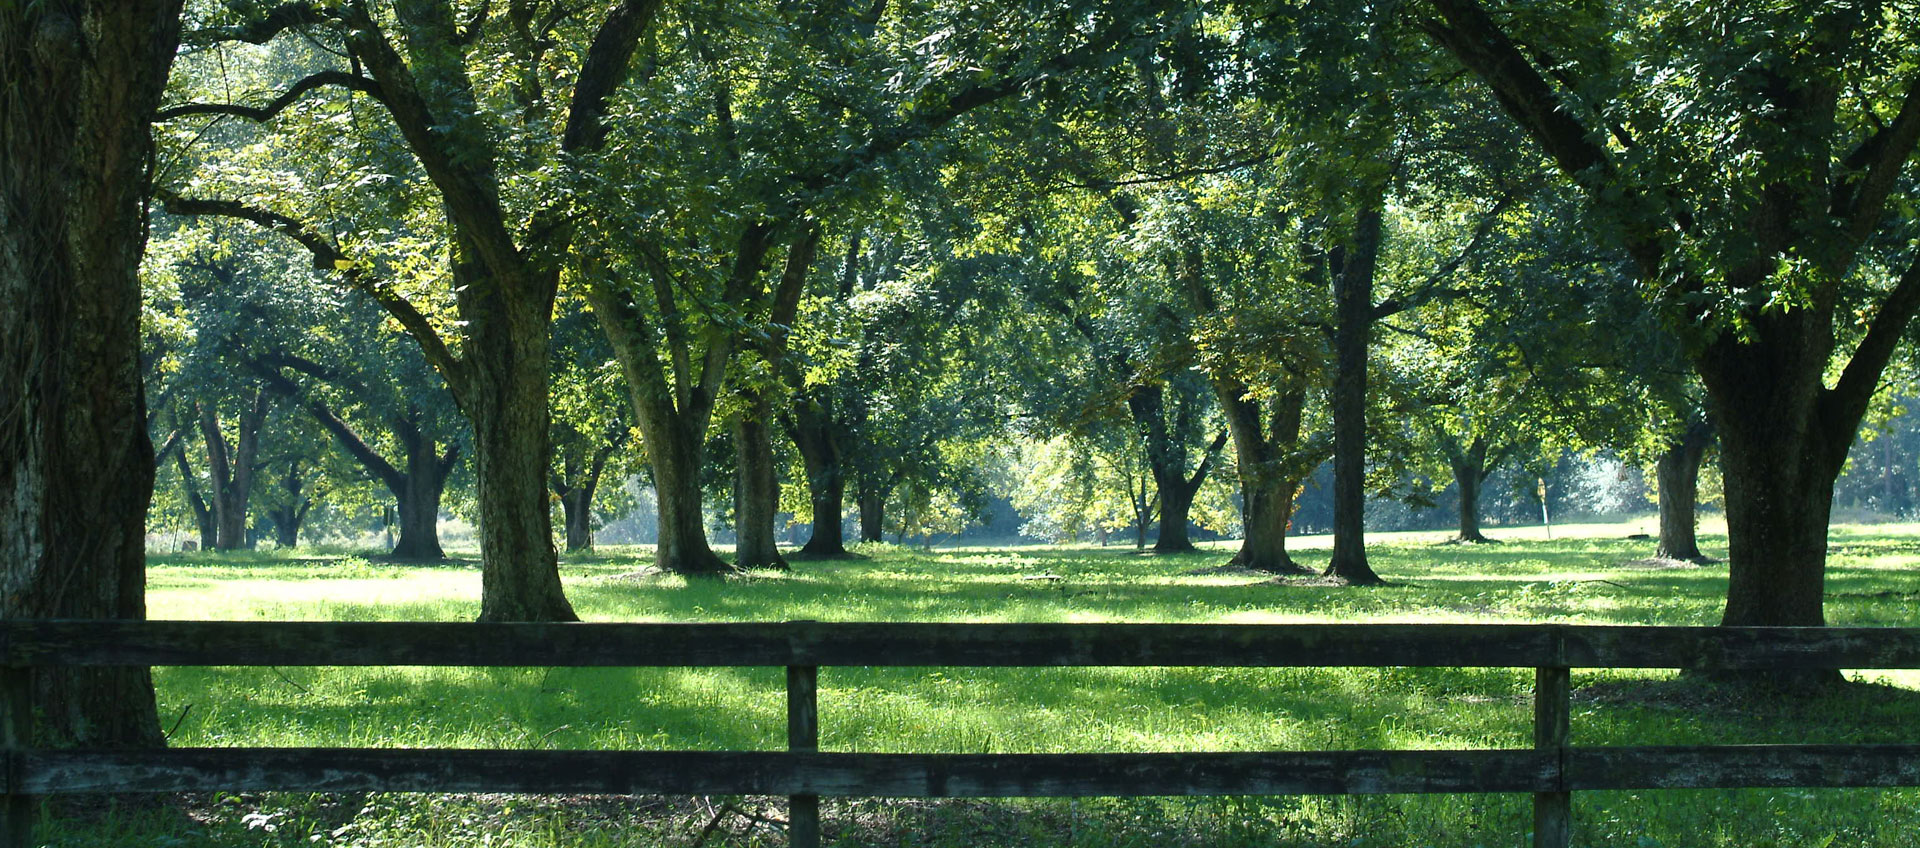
x=1551, y=769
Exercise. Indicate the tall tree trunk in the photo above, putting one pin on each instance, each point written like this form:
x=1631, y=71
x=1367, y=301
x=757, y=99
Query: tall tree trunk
x=418, y=501
x=231, y=468
x=1783, y=440
x=1678, y=474
x=1353, y=334
x=757, y=484
x=816, y=436
x=1780, y=451
x=506, y=399
x=873, y=511
x=673, y=416
x=79, y=82
x=202, y=515
x=1167, y=462
x=288, y=516
x=1267, y=480
x=676, y=456
x=1176, y=505
x=1469, y=471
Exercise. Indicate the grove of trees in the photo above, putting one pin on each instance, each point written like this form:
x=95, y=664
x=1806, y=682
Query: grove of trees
x=1150, y=269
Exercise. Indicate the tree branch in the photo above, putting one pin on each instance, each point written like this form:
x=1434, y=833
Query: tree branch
x=327, y=257
x=1479, y=44
x=350, y=439
x=470, y=202
x=1874, y=168
x=925, y=121
x=279, y=104
x=261, y=30
x=1842, y=406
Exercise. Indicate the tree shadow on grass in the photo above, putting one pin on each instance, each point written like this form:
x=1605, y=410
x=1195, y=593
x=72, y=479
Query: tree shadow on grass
x=1855, y=711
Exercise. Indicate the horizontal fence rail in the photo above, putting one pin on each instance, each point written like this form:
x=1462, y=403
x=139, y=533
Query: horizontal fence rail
x=1551, y=770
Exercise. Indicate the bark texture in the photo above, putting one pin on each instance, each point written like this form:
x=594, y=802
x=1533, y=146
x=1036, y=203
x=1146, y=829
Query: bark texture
x=507, y=401
x=1778, y=464
x=79, y=82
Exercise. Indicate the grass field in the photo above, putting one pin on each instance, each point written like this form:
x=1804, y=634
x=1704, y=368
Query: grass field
x=1589, y=574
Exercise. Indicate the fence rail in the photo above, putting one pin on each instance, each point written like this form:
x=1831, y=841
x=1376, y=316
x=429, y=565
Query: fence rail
x=1551, y=770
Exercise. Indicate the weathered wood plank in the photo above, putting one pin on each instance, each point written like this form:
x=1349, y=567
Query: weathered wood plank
x=1738, y=766
x=803, y=735
x=950, y=644
x=783, y=773
x=771, y=644
x=1552, y=730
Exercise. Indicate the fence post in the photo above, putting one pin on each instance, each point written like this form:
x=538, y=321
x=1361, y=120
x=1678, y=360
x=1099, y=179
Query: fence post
x=16, y=731
x=803, y=734
x=1552, y=708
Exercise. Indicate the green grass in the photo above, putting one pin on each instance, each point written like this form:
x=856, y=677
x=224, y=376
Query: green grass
x=1584, y=575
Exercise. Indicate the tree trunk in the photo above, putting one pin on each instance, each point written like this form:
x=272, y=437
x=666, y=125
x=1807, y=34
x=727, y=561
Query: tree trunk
x=576, y=506
x=676, y=455
x=1778, y=457
x=418, y=502
x=757, y=482
x=873, y=512
x=1167, y=461
x=1176, y=504
x=1267, y=484
x=758, y=486
x=1353, y=333
x=506, y=399
x=231, y=469
x=1269, y=512
x=78, y=85
x=1468, y=473
x=202, y=515
x=1781, y=446
x=816, y=436
x=288, y=516
x=1678, y=475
